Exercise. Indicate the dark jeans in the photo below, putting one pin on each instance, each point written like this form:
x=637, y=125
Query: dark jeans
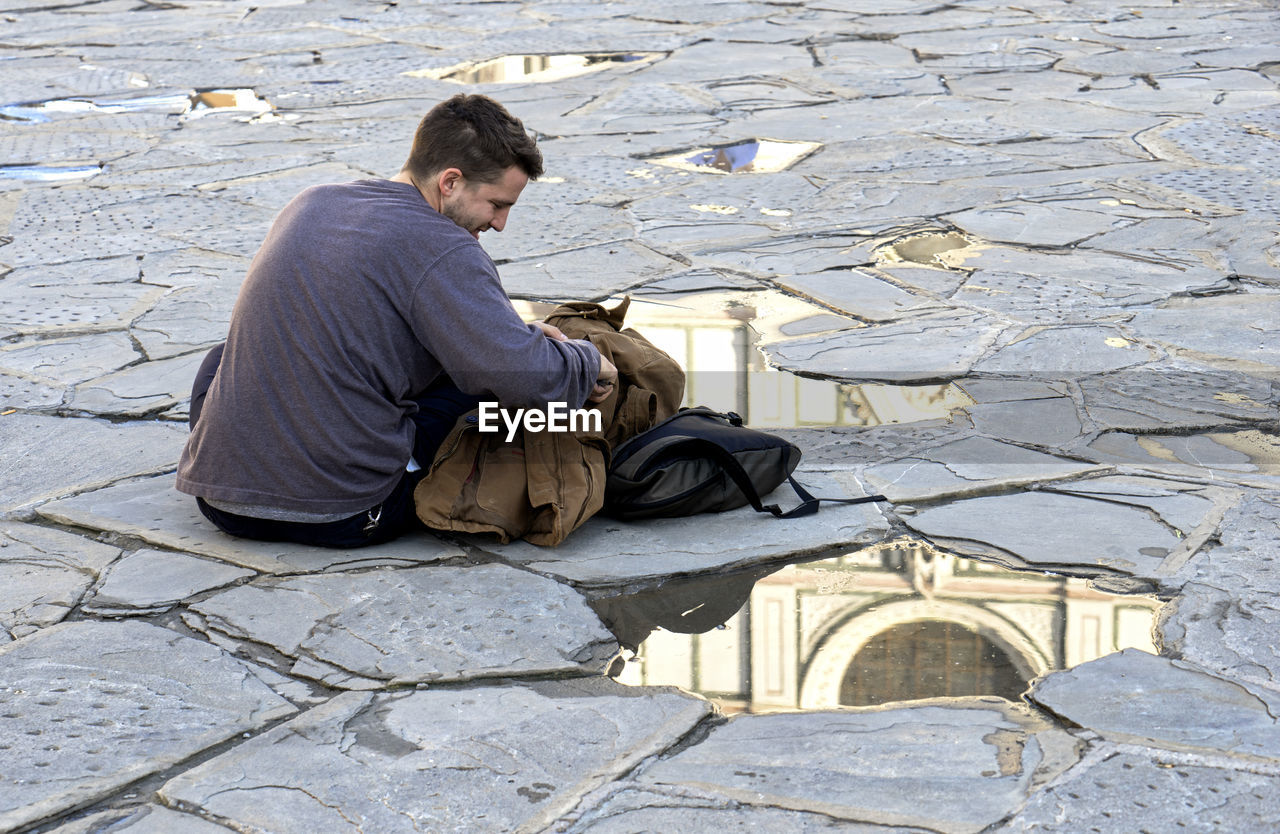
x=439, y=407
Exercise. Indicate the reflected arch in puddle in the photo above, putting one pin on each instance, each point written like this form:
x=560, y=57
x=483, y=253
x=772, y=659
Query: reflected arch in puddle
x=844, y=654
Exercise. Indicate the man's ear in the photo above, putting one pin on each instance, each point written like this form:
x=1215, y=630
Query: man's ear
x=448, y=180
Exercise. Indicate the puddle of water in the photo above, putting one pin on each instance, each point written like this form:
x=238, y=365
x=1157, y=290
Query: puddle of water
x=895, y=622
x=193, y=104
x=754, y=156
x=713, y=336
x=48, y=173
x=241, y=101
x=510, y=69
x=937, y=249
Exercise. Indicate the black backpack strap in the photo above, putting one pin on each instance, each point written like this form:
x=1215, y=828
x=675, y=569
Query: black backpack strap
x=809, y=504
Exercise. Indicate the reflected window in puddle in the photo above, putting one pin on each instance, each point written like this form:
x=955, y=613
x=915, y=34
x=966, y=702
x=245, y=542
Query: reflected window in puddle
x=510, y=69
x=900, y=621
x=48, y=173
x=714, y=337
x=754, y=156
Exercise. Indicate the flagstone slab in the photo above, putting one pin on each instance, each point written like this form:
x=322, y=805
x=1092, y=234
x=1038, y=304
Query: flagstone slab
x=45, y=457
x=90, y=707
x=149, y=819
x=590, y=273
x=43, y=574
x=1066, y=352
x=1149, y=793
x=1248, y=456
x=1036, y=224
x=1049, y=422
x=858, y=293
x=148, y=581
x=635, y=808
x=923, y=349
x=1134, y=697
x=488, y=759
x=1176, y=395
x=1226, y=613
x=608, y=552
x=953, y=766
x=966, y=466
x=1128, y=526
x=154, y=511
x=70, y=360
x=416, y=624
x=140, y=389
x=1242, y=326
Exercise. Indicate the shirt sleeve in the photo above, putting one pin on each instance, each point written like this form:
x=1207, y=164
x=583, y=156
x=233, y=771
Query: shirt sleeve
x=462, y=316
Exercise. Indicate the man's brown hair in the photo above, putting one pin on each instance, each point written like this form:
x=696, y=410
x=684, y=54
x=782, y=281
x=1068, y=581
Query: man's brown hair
x=476, y=135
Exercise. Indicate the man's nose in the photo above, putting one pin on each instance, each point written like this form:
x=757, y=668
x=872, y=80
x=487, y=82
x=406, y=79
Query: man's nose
x=499, y=220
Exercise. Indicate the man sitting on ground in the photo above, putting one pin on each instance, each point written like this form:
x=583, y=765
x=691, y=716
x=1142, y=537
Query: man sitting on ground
x=370, y=320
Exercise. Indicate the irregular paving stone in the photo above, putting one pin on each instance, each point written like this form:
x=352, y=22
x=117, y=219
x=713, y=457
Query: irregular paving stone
x=68, y=361
x=636, y=808
x=45, y=457
x=1039, y=224
x=91, y=707
x=606, y=551
x=149, y=580
x=1242, y=327
x=149, y=819
x=496, y=758
x=1130, y=526
x=858, y=293
x=966, y=466
x=1065, y=352
x=1227, y=611
x=419, y=624
x=953, y=766
x=1177, y=396
x=154, y=511
x=1248, y=456
x=585, y=274
x=140, y=390
x=43, y=574
x=1051, y=422
x=923, y=349
x=1137, y=793
x=47, y=310
x=1135, y=697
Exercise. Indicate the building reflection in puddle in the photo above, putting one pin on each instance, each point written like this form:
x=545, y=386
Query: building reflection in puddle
x=896, y=622
x=753, y=156
x=714, y=337
x=534, y=68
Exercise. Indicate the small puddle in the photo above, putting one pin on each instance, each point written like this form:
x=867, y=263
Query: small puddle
x=193, y=104
x=533, y=69
x=753, y=156
x=937, y=249
x=713, y=336
x=899, y=621
x=48, y=173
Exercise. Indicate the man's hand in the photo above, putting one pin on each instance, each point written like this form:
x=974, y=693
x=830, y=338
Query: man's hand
x=606, y=381
x=551, y=331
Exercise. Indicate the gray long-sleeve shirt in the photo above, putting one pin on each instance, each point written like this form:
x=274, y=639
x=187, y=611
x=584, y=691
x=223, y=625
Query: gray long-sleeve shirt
x=360, y=296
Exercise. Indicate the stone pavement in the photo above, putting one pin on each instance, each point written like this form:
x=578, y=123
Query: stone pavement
x=1068, y=208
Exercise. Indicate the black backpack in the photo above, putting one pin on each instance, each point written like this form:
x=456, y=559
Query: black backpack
x=703, y=461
